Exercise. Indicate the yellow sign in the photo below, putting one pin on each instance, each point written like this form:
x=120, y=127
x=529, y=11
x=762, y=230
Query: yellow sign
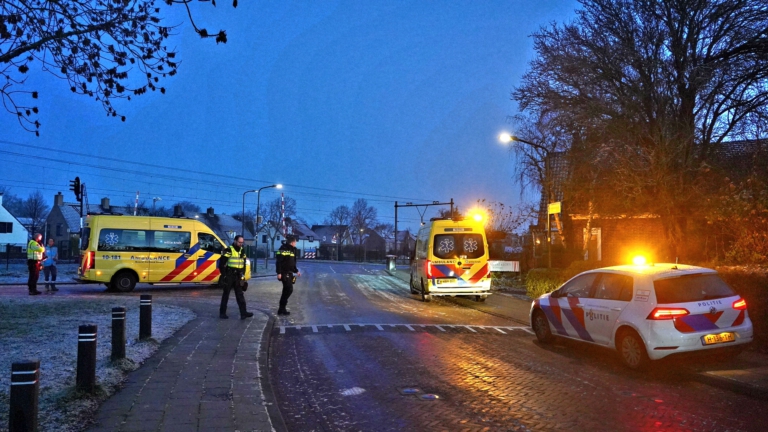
x=553, y=208
x=718, y=338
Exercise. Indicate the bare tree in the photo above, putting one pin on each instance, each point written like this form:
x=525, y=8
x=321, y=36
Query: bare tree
x=35, y=208
x=340, y=219
x=650, y=88
x=273, y=218
x=11, y=201
x=106, y=50
x=363, y=219
x=446, y=213
x=188, y=206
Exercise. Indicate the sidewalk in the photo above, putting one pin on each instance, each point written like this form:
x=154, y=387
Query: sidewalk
x=748, y=374
x=207, y=377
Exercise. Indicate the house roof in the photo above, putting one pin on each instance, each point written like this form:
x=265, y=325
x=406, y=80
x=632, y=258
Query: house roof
x=303, y=232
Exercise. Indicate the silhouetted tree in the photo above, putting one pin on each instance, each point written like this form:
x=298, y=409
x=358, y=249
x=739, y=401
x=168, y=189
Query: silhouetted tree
x=104, y=49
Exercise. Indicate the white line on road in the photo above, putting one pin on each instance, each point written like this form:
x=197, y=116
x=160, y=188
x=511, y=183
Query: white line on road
x=440, y=328
x=346, y=327
x=500, y=330
x=282, y=329
x=379, y=327
x=331, y=267
x=314, y=329
x=409, y=327
x=471, y=329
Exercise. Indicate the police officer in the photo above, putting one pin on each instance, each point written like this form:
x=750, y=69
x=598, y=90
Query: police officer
x=285, y=266
x=233, y=274
x=35, y=251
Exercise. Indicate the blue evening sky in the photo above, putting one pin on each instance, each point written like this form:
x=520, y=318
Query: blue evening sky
x=338, y=100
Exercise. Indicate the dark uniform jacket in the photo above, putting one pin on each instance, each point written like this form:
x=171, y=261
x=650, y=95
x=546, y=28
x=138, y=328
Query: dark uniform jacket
x=286, y=259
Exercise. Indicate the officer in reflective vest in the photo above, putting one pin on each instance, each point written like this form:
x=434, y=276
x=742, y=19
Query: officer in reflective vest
x=285, y=266
x=233, y=275
x=35, y=251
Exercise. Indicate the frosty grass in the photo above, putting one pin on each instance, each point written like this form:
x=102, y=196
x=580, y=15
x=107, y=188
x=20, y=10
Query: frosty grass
x=46, y=327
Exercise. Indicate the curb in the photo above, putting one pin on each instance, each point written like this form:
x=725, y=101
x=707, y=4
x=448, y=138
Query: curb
x=275, y=416
x=731, y=385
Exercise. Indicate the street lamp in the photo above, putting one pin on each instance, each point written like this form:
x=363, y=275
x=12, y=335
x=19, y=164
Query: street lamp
x=507, y=138
x=258, y=220
x=154, y=200
x=242, y=215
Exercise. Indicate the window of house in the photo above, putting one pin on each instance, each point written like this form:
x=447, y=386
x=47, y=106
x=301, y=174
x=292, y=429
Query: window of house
x=6, y=227
x=264, y=238
x=59, y=229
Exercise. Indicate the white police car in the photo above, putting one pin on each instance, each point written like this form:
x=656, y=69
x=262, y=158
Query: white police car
x=645, y=312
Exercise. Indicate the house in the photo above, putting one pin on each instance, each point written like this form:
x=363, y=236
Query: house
x=331, y=238
x=63, y=223
x=308, y=242
x=12, y=232
x=406, y=242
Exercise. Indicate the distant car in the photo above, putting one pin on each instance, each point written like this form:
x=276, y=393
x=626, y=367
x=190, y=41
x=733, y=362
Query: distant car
x=645, y=312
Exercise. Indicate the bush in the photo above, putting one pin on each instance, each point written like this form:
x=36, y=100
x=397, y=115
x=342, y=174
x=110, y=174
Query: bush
x=752, y=284
x=540, y=281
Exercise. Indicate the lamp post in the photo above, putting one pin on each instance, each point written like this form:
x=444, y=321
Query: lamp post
x=508, y=138
x=258, y=219
x=242, y=215
x=154, y=200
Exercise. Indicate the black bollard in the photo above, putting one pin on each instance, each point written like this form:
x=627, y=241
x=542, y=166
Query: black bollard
x=86, y=358
x=118, y=333
x=25, y=389
x=145, y=317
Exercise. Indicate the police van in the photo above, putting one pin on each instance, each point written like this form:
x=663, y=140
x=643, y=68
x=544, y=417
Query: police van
x=451, y=258
x=121, y=251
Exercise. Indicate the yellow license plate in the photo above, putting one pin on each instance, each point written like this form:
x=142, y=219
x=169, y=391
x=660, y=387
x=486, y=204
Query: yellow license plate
x=718, y=338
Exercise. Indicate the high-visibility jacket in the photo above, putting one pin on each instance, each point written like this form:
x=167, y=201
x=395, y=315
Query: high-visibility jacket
x=235, y=259
x=286, y=259
x=34, y=251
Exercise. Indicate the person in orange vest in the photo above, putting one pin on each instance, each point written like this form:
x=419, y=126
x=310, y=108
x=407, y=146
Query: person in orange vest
x=35, y=251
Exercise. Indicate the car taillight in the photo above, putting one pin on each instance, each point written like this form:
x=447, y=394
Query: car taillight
x=661, y=313
x=89, y=262
x=429, y=269
x=740, y=304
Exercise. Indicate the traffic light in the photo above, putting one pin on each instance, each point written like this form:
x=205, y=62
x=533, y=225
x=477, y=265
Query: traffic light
x=74, y=186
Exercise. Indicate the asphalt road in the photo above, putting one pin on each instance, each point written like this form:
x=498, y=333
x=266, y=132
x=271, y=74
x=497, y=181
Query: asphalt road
x=359, y=352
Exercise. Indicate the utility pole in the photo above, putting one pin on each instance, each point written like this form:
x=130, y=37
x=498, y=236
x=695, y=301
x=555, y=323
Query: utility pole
x=410, y=204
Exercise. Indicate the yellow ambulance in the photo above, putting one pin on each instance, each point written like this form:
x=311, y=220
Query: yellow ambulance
x=121, y=251
x=451, y=258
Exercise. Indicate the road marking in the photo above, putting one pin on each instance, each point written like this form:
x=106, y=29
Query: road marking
x=331, y=267
x=441, y=327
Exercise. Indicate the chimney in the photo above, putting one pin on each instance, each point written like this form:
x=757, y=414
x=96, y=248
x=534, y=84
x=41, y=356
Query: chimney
x=105, y=204
x=177, y=211
x=58, y=200
x=210, y=211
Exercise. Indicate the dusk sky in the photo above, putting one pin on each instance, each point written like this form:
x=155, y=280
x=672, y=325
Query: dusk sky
x=338, y=100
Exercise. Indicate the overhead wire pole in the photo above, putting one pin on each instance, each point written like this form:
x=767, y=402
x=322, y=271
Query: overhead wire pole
x=410, y=204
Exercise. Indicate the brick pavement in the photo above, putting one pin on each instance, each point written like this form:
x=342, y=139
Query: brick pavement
x=204, y=378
